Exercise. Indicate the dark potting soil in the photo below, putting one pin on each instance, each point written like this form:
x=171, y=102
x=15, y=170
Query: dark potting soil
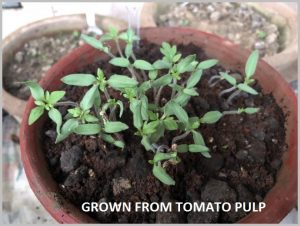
x=33, y=60
x=246, y=155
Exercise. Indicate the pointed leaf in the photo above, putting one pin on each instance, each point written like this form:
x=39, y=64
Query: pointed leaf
x=207, y=64
x=120, y=62
x=121, y=82
x=89, y=98
x=79, y=79
x=198, y=148
x=170, y=124
x=159, y=156
x=194, y=78
x=248, y=89
x=135, y=107
x=251, y=64
x=162, y=175
x=114, y=127
x=162, y=81
x=191, y=92
x=197, y=137
x=66, y=129
x=173, y=108
x=143, y=65
x=35, y=114
x=36, y=90
x=56, y=117
x=211, y=117
x=231, y=80
x=87, y=129
x=55, y=96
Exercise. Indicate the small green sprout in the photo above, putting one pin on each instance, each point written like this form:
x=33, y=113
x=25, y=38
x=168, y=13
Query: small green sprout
x=238, y=87
x=151, y=117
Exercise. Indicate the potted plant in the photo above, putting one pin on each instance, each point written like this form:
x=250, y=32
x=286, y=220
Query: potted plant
x=145, y=132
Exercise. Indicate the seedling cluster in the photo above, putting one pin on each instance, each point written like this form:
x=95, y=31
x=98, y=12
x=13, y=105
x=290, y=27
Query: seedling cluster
x=142, y=90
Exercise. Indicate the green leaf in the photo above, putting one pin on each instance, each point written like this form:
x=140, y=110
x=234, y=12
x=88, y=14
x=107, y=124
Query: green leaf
x=36, y=90
x=162, y=81
x=176, y=58
x=161, y=64
x=248, y=89
x=35, y=114
x=128, y=50
x=194, y=123
x=120, y=62
x=109, y=139
x=182, y=99
x=145, y=86
x=162, y=175
x=120, y=103
x=91, y=118
x=170, y=123
x=251, y=64
x=190, y=92
x=182, y=148
x=160, y=131
x=207, y=64
x=87, y=129
x=153, y=74
x=231, y=80
x=135, y=107
x=184, y=64
x=251, y=110
x=114, y=127
x=197, y=137
x=39, y=103
x=121, y=82
x=159, y=156
x=173, y=108
x=149, y=128
x=206, y=154
x=97, y=44
x=129, y=36
x=56, y=117
x=79, y=79
x=143, y=65
x=146, y=143
x=211, y=117
x=194, y=78
x=198, y=148
x=55, y=96
x=89, y=98
x=144, y=107
x=67, y=128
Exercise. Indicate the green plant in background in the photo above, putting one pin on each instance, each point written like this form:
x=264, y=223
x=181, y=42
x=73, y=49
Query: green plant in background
x=152, y=119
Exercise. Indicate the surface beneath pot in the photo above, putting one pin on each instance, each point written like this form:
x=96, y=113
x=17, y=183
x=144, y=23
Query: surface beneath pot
x=246, y=155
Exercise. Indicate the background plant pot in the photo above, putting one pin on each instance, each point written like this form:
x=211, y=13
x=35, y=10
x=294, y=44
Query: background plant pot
x=280, y=200
x=46, y=27
x=284, y=17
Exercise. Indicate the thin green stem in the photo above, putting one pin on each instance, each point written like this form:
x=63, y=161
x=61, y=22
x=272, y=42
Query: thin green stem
x=227, y=91
x=173, y=89
x=66, y=103
x=157, y=97
x=180, y=137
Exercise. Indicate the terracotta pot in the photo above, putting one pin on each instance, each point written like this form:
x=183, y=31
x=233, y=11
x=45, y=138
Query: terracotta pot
x=280, y=200
x=45, y=27
x=278, y=13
